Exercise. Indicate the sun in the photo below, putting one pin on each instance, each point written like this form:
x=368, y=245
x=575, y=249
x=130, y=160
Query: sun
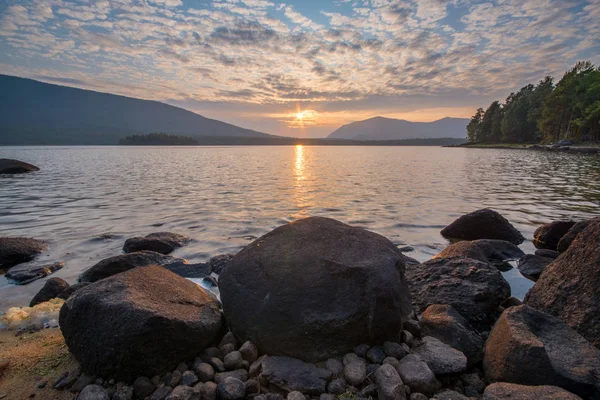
x=300, y=116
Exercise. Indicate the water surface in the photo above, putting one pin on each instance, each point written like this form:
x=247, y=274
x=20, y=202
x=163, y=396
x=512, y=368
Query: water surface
x=86, y=201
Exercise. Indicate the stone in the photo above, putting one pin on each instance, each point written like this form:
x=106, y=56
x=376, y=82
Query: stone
x=182, y=392
x=93, y=392
x=218, y=263
x=511, y=391
x=208, y=391
x=532, y=265
x=231, y=389
x=547, y=236
x=314, y=289
x=569, y=288
x=160, y=242
x=369, y=391
x=355, y=373
x=23, y=274
x=495, y=252
x=252, y=386
x=17, y=250
x=553, y=254
x=228, y=338
x=372, y=368
x=361, y=350
x=256, y=367
x=337, y=386
x=295, y=396
x=188, y=378
x=161, y=393
x=449, y=395
x=51, y=289
x=393, y=361
x=418, y=396
x=174, y=379
x=376, y=355
x=389, y=384
x=9, y=166
x=205, y=372
x=474, y=288
x=226, y=349
x=441, y=358
x=182, y=367
x=233, y=360
x=327, y=396
x=407, y=338
x=249, y=351
x=123, y=393
x=568, y=238
x=163, y=319
x=142, y=387
x=473, y=384
x=239, y=374
x=66, y=379
x=217, y=364
x=396, y=350
x=483, y=224
x=289, y=374
x=444, y=323
x=82, y=381
x=351, y=357
x=335, y=366
x=529, y=347
x=413, y=327
x=511, y=302
x=417, y=375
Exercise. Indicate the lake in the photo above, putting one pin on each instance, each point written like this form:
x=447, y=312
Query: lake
x=86, y=201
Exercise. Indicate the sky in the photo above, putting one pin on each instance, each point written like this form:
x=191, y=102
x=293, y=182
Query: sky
x=300, y=68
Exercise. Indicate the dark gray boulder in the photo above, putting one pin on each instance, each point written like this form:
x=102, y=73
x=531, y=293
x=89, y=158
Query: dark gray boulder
x=8, y=166
x=17, y=250
x=140, y=322
x=441, y=358
x=483, y=224
x=474, y=288
x=160, y=242
x=444, y=323
x=289, y=374
x=23, y=274
x=51, y=289
x=314, y=289
x=417, y=375
x=569, y=288
x=529, y=347
x=511, y=391
x=389, y=384
x=532, y=266
x=547, y=236
x=568, y=238
x=495, y=252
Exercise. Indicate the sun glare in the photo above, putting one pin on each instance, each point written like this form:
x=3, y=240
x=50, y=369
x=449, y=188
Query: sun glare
x=300, y=116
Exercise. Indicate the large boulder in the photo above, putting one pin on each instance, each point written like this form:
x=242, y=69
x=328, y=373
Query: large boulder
x=496, y=252
x=125, y=262
x=529, y=347
x=17, y=250
x=483, y=224
x=141, y=322
x=569, y=288
x=314, y=289
x=444, y=323
x=474, y=288
x=289, y=374
x=568, y=238
x=160, y=242
x=8, y=166
x=512, y=391
x=23, y=274
x=547, y=236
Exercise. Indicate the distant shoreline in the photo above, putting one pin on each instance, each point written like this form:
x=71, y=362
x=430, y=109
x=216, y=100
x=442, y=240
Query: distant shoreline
x=589, y=149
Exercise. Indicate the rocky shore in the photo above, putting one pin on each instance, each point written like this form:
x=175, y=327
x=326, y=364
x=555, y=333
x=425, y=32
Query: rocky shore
x=317, y=309
x=536, y=147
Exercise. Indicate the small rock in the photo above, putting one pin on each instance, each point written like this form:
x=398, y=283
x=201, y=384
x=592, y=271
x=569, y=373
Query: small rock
x=355, y=373
x=407, y=338
x=547, y=236
x=396, y=350
x=161, y=393
x=417, y=375
x=142, y=387
x=66, y=379
x=350, y=357
x=17, y=250
x=337, y=386
x=361, y=350
x=229, y=338
x=188, y=378
x=26, y=273
x=123, y=393
x=4, y=364
x=335, y=366
x=392, y=361
x=211, y=352
x=473, y=384
x=449, y=395
x=93, y=392
x=295, y=396
x=226, y=349
x=249, y=351
x=290, y=374
x=175, y=378
x=217, y=364
x=256, y=367
x=418, y=396
x=231, y=389
x=372, y=368
x=252, y=386
x=182, y=392
x=239, y=374
x=413, y=327
x=376, y=355
x=390, y=386
x=532, y=266
x=483, y=224
x=233, y=360
x=160, y=242
x=208, y=391
x=42, y=384
x=567, y=239
x=510, y=391
x=205, y=372
x=441, y=358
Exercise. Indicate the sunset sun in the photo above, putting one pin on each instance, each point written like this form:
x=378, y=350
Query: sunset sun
x=300, y=116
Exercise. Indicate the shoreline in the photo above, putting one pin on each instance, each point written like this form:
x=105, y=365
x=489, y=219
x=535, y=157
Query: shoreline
x=534, y=147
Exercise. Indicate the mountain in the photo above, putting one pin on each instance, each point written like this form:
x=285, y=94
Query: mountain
x=33, y=112
x=380, y=128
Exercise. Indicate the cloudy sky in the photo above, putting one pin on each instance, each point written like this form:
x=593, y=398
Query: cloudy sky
x=300, y=67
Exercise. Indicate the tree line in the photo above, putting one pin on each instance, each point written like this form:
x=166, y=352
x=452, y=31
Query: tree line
x=158, y=139
x=544, y=113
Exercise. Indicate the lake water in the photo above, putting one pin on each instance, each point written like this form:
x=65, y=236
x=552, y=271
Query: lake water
x=86, y=201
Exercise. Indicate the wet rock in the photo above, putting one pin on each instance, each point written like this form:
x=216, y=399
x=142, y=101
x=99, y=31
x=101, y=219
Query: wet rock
x=184, y=269
x=568, y=238
x=396, y=350
x=163, y=319
x=160, y=242
x=231, y=389
x=511, y=391
x=495, y=252
x=314, y=316
x=218, y=263
x=530, y=347
x=188, y=378
x=289, y=374
x=233, y=361
x=17, y=250
x=205, y=372
x=142, y=387
x=335, y=366
x=9, y=166
x=23, y=274
x=416, y=373
x=475, y=289
x=547, y=236
x=569, y=288
x=553, y=254
x=441, y=358
x=183, y=393
x=389, y=384
x=161, y=393
x=337, y=386
x=355, y=372
x=249, y=351
x=532, y=265
x=240, y=374
x=93, y=392
x=51, y=289
x=376, y=355
x=483, y=224
x=444, y=323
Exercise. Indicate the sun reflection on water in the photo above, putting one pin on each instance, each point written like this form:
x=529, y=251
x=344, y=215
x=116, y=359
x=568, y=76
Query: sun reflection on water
x=300, y=186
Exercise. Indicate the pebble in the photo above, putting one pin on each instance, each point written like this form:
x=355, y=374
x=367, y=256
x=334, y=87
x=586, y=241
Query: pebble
x=229, y=338
x=295, y=396
x=392, y=361
x=355, y=372
x=93, y=392
x=413, y=327
x=66, y=379
x=249, y=351
x=142, y=387
x=335, y=366
x=217, y=364
x=396, y=350
x=389, y=384
x=161, y=393
x=350, y=357
x=361, y=350
x=42, y=384
x=205, y=372
x=252, y=386
x=182, y=367
x=256, y=367
x=231, y=389
x=175, y=378
x=337, y=386
x=376, y=355
x=82, y=381
x=408, y=338
x=182, y=392
x=123, y=393
x=227, y=348
x=208, y=391
x=240, y=374
x=188, y=378
x=233, y=360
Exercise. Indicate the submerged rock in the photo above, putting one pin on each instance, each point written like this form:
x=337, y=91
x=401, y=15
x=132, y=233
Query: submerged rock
x=26, y=273
x=160, y=242
x=289, y=374
x=568, y=238
x=51, y=289
x=139, y=322
x=8, y=166
x=547, y=236
x=17, y=250
x=315, y=288
x=569, y=288
x=511, y=391
x=496, y=252
x=532, y=265
x=529, y=347
x=483, y=224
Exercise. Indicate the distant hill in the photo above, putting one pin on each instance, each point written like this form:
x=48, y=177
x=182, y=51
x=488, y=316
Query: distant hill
x=380, y=128
x=33, y=112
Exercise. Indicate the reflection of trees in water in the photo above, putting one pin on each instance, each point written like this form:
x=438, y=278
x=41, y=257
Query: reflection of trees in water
x=535, y=183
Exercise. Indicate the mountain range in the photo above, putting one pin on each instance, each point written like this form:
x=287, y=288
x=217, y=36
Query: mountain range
x=380, y=128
